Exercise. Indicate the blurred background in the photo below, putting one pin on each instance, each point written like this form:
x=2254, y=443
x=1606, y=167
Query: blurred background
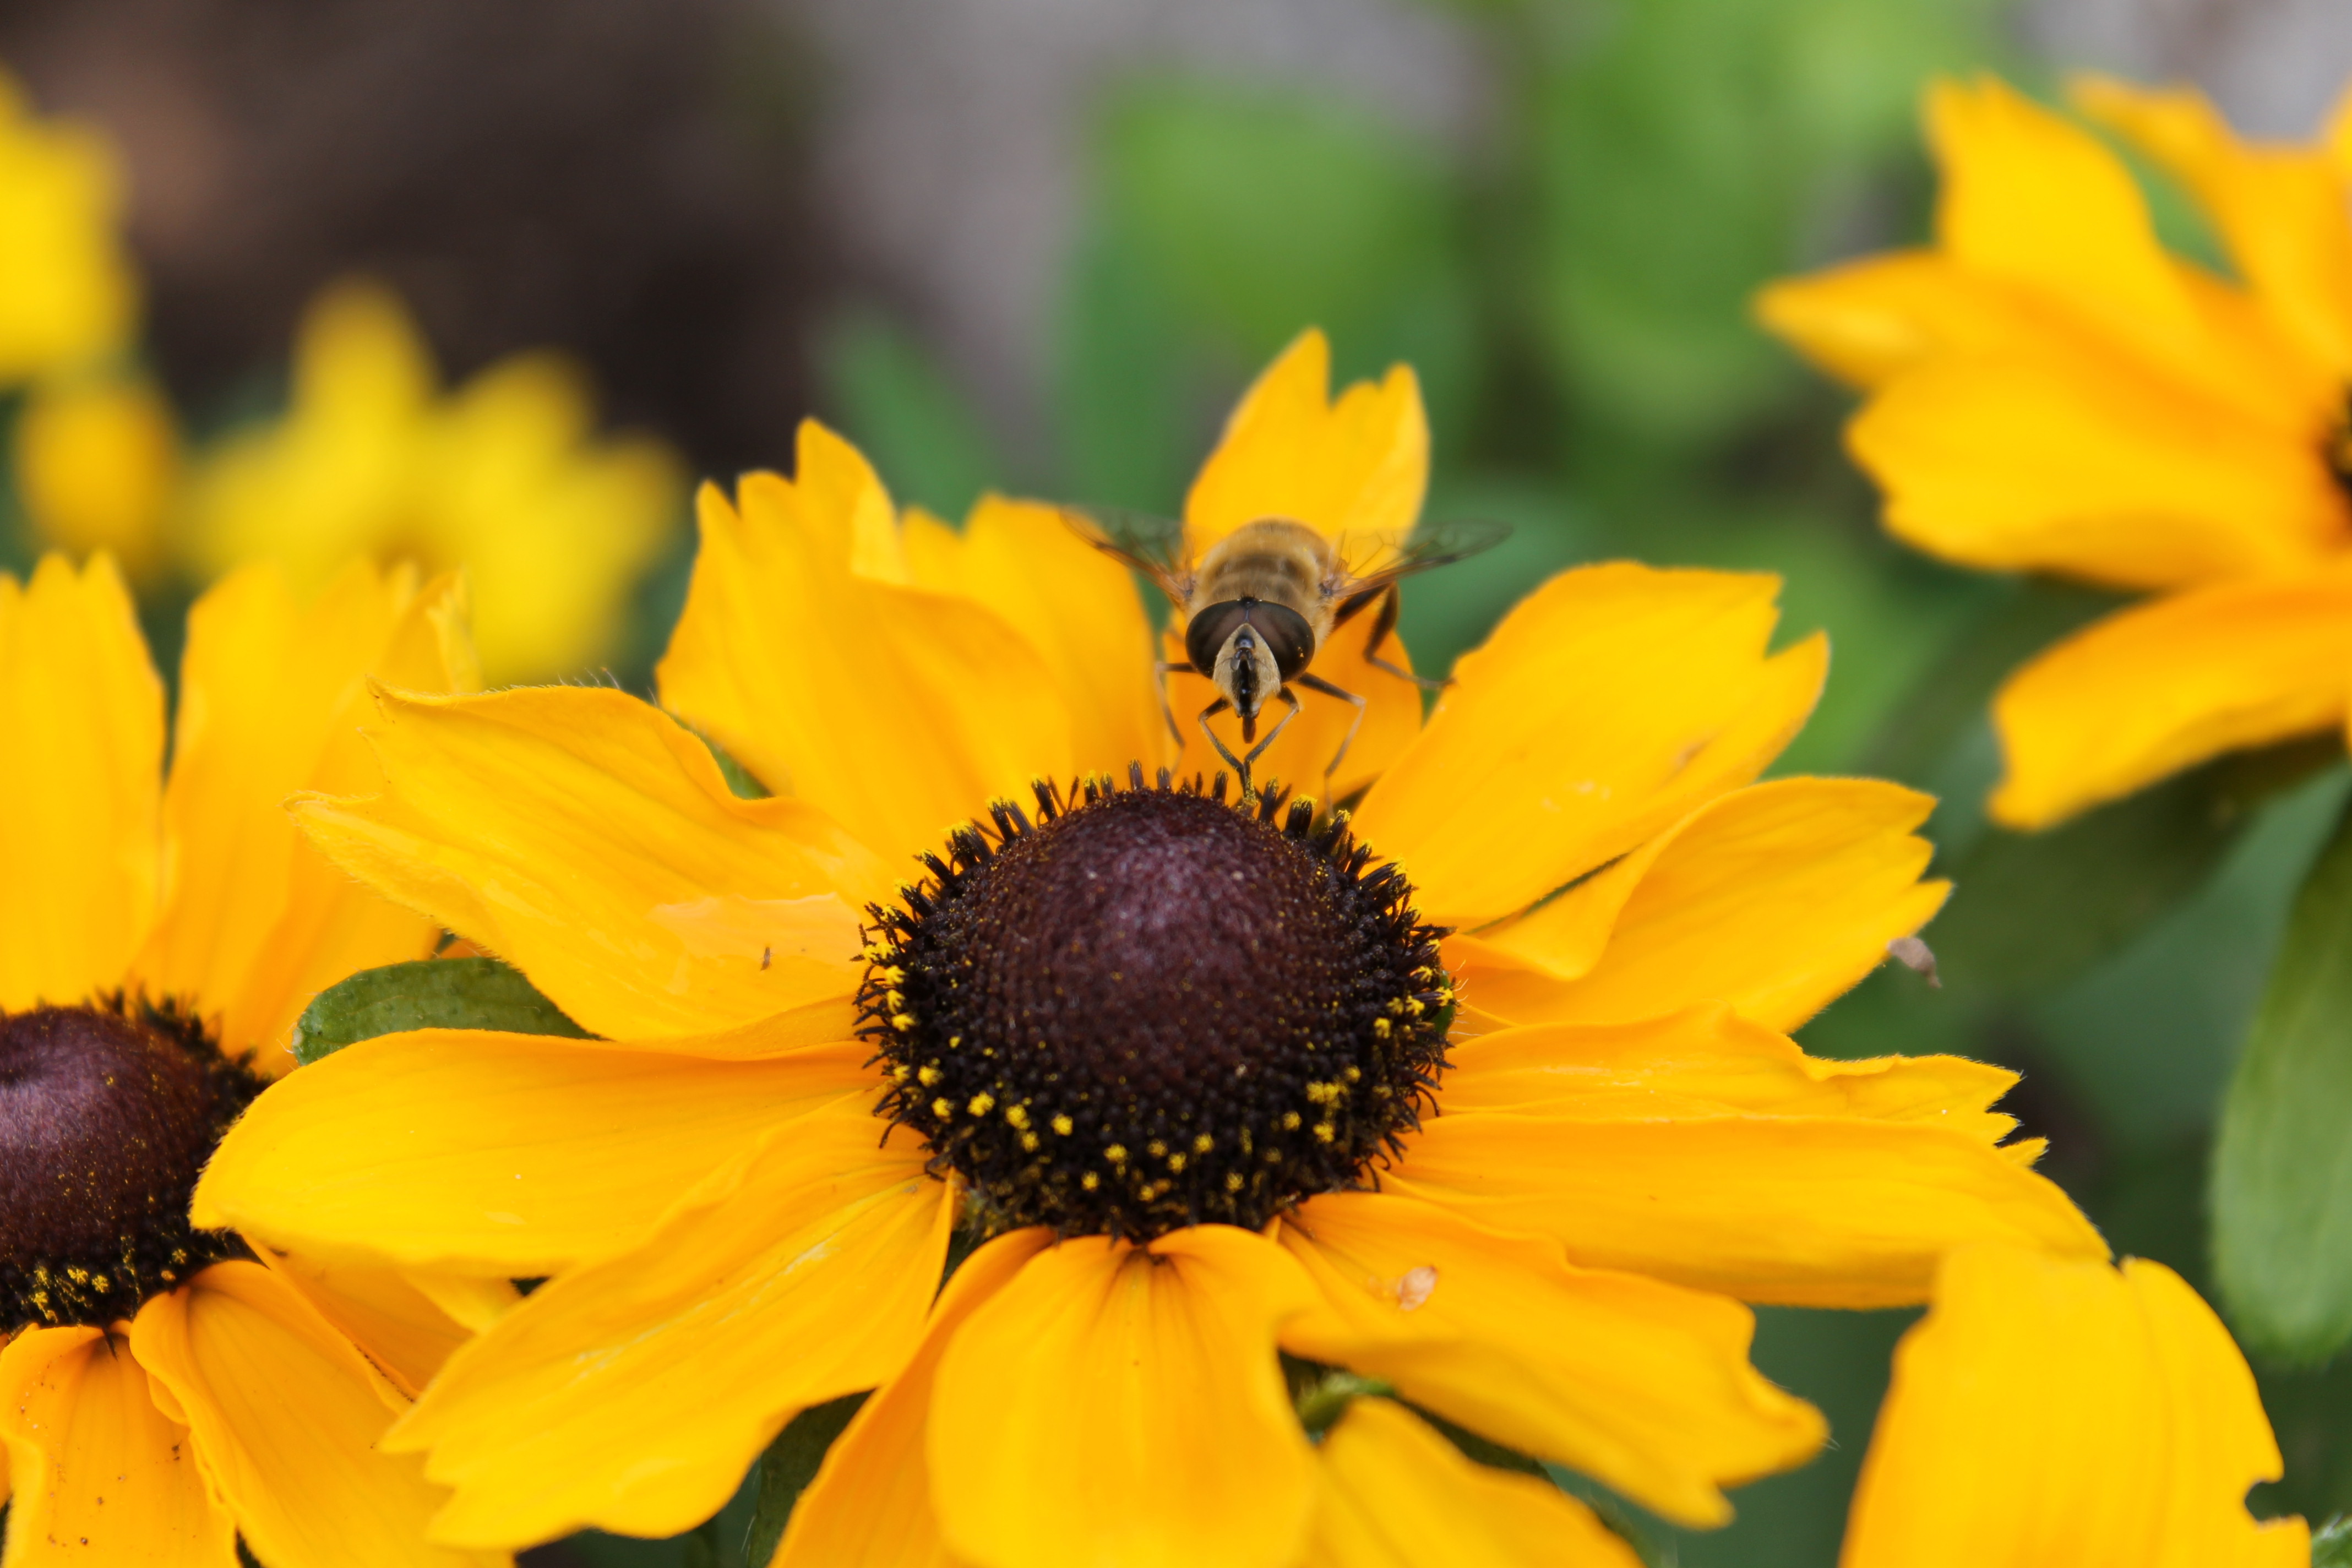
x=1040, y=245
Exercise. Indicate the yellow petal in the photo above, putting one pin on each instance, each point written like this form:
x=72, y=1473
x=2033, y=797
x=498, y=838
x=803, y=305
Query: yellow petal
x=1356, y=467
x=1809, y=1211
x=2162, y=686
x=97, y=465
x=1707, y=1061
x=2052, y=1411
x=81, y=758
x=804, y=650
x=395, y=1325
x=338, y=474
x=254, y=922
x=552, y=525
x=102, y=1477
x=1309, y=756
x=508, y=1155
x=583, y=837
x=2335, y=134
x=1534, y=770
x=2029, y=199
x=632, y=1395
x=1776, y=899
x=68, y=294
x=1871, y=320
x=286, y=1416
x=1075, y=604
x=2052, y=459
x=1394, y=1494
x=2280, y=210
x=1116, y=1404
x=870, y=1503
x=1639, y=1384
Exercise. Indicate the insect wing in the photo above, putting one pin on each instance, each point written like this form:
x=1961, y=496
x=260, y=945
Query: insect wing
x=1153, y=546
x=1374, y=569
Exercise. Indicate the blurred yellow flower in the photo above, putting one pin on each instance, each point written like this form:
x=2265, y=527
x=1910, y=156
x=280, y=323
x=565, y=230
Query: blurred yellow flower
x=67, y=295
x=2052, y=390
x=502, y=477
x=2060, y=1413
x=97, y=464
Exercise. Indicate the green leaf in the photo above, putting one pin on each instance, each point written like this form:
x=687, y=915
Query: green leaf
x=787, y=1468
x=1686, y=150
x=2032, y=911
x=1256, y=212
x=431, y=993
x=2282, y=1167
x=2331, y=1544
x=901, y=406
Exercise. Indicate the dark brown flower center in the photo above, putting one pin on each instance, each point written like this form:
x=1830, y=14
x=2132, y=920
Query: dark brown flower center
x=1152, y=1008
x=107, y=1113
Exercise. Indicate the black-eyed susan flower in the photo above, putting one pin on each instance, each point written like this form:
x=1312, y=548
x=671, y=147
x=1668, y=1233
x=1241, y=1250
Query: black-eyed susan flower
x=165, y=1390
x=502, y=476
x=2051, y=390
x=1207, y=1077
x=2051, y=1411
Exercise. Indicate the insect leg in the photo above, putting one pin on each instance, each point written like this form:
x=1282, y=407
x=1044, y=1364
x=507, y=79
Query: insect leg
x=1255, y=752
x=1241, y=768
x=1165, y=669
x=1382, y=625
x=1317, y=683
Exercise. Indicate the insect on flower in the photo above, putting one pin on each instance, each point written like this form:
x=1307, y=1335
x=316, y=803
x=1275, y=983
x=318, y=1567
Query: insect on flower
x=1264, y=598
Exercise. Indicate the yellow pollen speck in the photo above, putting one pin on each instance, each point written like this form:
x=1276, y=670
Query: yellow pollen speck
x=1116, y=1153
x=1155, y=1148
x=1232, y=1181
x=1176, y=1162
x=1324, y=1132
x=1063, y=1125
x=1089, y=1181
x=100, y=1283
x=927, y=1076
x=1354, y=1075
x=954, y=1040
x=1412, y=1005
x=981, y=1104
x=1018, y=1115
x=898, y=1074
x=1381, y=1028
x=1203, y=1144
x=1290, y=1120
x=1324, y=1093
x=895, y=1000
x=943, y=1107
x=1029, y=1141
x=903, y=1022
x=876, y=954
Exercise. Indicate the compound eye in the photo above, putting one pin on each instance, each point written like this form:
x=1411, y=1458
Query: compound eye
x=1287, y=637
x=1206, y=633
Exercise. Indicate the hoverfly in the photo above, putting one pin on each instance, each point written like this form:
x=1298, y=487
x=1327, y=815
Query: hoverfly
x=1263, y=599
